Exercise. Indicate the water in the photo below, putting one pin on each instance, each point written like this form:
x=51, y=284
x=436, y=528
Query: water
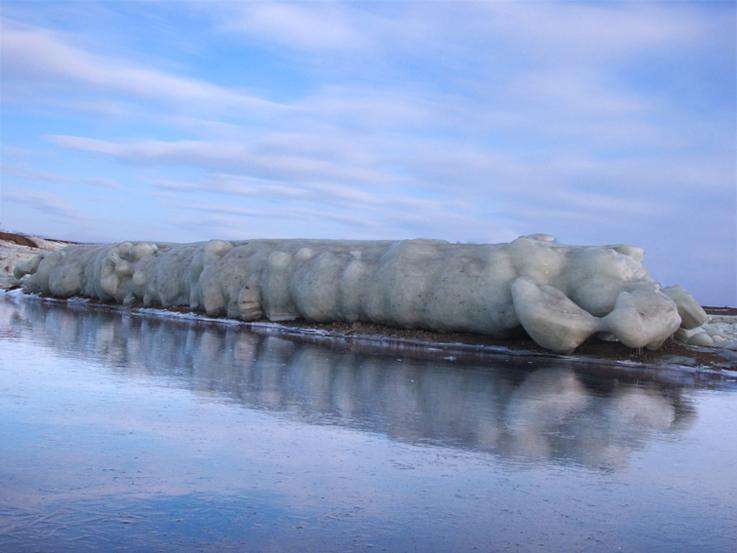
x=135, y=434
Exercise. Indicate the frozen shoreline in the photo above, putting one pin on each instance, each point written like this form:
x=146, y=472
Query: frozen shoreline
x=390, y=335
x=559, y=295
x=678, y=363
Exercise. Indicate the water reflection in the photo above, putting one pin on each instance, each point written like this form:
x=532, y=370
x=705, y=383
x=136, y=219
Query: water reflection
x=543, y=412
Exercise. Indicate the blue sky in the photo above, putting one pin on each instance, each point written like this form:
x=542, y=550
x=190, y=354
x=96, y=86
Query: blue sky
x=594, y=122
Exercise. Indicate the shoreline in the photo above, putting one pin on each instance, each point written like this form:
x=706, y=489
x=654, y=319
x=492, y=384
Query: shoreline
x=673, y=354
x=675, y=361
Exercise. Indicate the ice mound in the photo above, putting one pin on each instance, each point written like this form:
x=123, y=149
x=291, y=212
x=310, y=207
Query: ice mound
x=559, y=294
x=719, y=331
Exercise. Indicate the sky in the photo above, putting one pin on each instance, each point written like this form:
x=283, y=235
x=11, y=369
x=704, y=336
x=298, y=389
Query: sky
x=598, y=123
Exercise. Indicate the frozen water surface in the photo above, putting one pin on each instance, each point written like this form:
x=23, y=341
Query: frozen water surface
x=136, y=434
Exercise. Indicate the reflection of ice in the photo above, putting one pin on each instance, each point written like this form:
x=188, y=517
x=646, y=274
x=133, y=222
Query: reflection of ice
x=545, y=414
x=639, y=409
x=626, y=419
x=542, y=403
x=552, y=414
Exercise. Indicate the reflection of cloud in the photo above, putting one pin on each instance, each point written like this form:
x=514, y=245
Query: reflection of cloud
x=547, y=414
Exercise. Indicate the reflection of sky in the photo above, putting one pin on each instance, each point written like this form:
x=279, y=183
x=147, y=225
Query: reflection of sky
x=115, y=418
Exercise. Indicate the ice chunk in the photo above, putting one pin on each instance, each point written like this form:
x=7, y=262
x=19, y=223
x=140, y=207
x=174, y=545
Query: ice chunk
x=717, y=331
x=550, y=317
x=643, y=318
x=701, y=339
x=692, y=314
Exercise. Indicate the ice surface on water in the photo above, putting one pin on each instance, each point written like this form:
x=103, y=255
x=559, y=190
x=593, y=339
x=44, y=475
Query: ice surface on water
x=139, y=433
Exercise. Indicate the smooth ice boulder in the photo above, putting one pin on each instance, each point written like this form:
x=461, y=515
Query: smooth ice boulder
x=718, y=331
x=701, y=339
x=550, y=317
x=643, y=318
x=692, y=314
x=559, y=294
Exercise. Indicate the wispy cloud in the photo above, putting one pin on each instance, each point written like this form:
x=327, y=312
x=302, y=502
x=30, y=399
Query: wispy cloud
x=316, y=27
x=42, y=202
x=29, y=174
x=220, y=155
x=34, y=54
x=570, y=28
x=578, y=30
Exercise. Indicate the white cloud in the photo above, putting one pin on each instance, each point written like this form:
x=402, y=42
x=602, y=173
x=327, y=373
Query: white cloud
x=224, y=155
x=281, y=212
x=313, y=26
x=317, y=193
x=235, y=185
x=43, y=202
x=561, y=29
x=585, y=30
x=576, y=91
x=32, y=54
x=29, y=174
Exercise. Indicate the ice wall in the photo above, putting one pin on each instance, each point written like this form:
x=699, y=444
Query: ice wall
x=559, y=294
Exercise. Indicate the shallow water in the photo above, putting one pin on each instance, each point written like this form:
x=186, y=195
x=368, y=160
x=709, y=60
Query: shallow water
x=128, y=433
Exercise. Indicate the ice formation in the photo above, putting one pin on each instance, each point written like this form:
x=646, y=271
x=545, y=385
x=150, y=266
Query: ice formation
x=719, y=331
x=559, y=294
x=16, y=249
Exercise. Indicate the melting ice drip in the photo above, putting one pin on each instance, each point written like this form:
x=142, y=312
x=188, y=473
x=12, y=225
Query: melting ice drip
x=559, y=294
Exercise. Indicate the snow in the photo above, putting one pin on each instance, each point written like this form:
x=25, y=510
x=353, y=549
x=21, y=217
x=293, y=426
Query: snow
x=559, y=294
x=11, y=254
